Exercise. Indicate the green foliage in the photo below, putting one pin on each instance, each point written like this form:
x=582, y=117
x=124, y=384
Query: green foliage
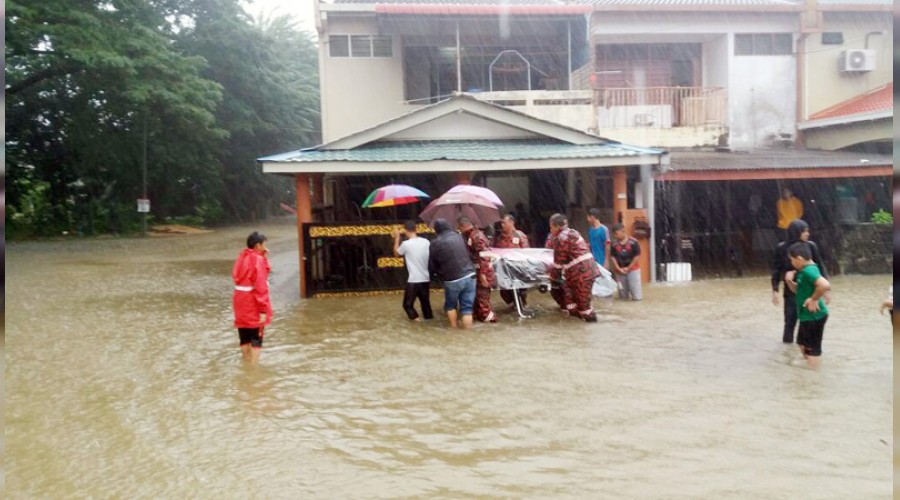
x=207, y=86
x=882, y=217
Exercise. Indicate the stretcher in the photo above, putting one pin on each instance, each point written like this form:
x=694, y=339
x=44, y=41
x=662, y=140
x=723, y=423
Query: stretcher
x=522, y=268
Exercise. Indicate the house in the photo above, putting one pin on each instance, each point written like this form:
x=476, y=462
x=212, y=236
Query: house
x=724, y=85
x=435, y=147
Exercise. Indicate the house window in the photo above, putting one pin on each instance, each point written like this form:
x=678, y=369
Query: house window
x=360, y=46
x=338, y=46
x=763, y=44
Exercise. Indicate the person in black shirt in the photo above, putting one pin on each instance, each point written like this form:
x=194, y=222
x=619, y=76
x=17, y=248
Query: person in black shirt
x=449, y=261
x=797, y=230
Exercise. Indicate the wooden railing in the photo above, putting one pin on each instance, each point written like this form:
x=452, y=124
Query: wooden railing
x=661, y=107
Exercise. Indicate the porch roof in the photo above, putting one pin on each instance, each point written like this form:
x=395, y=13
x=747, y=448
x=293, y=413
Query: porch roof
x=466, y=150
x=455, y=155
x=872, y=105
x=774, y=164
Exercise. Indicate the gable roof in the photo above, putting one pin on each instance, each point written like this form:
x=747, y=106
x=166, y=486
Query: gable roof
x=465, y=103
x=873, y=105
x=396, y=146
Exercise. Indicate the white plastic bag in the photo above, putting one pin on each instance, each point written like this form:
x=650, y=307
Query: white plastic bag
x=604, y=285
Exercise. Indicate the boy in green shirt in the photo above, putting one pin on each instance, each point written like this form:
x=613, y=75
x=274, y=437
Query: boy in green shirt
x=809, y=286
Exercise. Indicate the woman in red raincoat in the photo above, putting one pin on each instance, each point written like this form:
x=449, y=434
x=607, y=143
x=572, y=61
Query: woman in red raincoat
x=252, y=308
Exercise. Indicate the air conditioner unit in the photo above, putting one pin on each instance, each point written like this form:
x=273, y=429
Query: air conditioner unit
x=857, y=60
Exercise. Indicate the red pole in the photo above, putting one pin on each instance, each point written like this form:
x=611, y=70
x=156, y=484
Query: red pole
x=304, y=215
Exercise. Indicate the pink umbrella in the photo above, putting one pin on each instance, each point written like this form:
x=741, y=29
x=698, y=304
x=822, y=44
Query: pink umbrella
x=484, y=192
x=451, y=205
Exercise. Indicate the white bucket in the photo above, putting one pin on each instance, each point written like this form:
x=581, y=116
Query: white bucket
x=678, y=271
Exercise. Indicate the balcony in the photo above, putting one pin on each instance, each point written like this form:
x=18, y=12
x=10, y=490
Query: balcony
x=571, y=108
x=662, y=116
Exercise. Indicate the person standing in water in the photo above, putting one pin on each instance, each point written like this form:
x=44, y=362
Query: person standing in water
x=252, y=307
x=510, y=237
x=797, y=231
x=574, y=268
x=598, y=237
x=415, y=253
x=809, y=287
x=477, y=242
x=626, y=266
x=448, y=259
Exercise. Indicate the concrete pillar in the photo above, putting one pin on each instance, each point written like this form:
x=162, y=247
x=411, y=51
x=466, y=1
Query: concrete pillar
x=620, y=193
x=650, y=204
x=304, y=215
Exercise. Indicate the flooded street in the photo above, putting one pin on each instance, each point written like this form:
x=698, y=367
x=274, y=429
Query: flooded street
x=124, y=380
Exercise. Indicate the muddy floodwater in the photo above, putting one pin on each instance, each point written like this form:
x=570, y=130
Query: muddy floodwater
x=124, y=380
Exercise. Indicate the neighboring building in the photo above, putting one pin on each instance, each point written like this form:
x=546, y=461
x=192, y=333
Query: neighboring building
x=848, y=86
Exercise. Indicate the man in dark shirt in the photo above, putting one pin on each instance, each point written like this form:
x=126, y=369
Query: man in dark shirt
x=448, y=259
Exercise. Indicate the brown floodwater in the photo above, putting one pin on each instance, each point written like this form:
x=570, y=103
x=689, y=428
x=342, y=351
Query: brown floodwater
x=124, y=379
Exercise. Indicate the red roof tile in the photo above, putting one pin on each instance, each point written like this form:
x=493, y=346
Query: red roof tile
x=880, y=99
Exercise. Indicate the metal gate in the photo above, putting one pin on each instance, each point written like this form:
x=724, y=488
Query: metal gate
x=344, y=257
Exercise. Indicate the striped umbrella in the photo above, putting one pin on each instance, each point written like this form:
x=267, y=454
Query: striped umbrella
x=393, y=195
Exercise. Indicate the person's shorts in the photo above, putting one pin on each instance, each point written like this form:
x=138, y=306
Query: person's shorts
x=459, y=294
x=809, y=336
x=250, y=336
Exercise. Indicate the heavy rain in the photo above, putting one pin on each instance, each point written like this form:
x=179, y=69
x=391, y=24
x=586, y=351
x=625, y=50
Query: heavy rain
x=662, y=230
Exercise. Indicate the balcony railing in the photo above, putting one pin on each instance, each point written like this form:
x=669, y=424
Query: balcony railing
x=661, y=107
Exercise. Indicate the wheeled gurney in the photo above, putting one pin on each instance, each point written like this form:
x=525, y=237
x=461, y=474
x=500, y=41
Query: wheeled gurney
x=521, y=268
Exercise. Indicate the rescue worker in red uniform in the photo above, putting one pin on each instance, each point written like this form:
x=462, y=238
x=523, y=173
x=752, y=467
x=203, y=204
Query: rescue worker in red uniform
x=252, y=307
x=510, y=237
x=574, y=268
x=477, y=242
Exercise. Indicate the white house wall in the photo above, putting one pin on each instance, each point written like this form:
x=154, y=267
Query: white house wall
x=715, y=73
x=762, y=100
x=461, y=126
x=358, y=93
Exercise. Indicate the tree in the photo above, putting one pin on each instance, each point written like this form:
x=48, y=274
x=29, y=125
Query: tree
x=88, y=80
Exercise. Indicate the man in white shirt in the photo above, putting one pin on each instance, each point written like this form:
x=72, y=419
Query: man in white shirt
x=415, y=251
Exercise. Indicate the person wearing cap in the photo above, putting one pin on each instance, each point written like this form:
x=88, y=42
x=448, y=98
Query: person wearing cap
x=252, y=307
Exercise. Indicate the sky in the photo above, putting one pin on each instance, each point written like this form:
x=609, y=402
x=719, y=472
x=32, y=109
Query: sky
x=302, y=10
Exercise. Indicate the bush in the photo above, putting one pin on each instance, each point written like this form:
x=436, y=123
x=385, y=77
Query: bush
x=882, y=217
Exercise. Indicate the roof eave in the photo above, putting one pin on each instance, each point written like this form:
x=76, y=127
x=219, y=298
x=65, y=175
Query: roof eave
x=700, y=8
x=434, y=166
x=846, y=120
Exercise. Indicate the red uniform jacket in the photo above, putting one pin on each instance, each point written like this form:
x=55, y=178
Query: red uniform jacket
x=572, y=253
x=515, y=240
x=251, y=289
x=477, y=242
